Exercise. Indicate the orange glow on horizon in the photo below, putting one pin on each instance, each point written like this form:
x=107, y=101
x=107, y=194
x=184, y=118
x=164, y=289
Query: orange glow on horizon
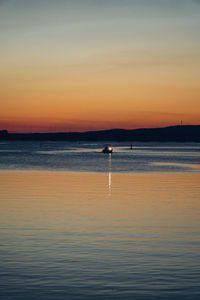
x=42, y=128
x=98, y=67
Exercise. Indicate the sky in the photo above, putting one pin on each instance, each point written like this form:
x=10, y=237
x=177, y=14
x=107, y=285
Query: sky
x=77, y=65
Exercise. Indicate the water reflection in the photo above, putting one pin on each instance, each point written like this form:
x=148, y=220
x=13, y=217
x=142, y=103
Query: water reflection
x=109, y=171
x=63, y=237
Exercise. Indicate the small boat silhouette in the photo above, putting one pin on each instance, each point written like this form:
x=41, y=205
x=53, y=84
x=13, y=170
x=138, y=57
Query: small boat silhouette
x=107, y=149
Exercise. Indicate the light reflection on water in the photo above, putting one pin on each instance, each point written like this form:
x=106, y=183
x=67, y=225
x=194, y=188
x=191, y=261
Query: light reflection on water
x=84, y=157
x=70, y=235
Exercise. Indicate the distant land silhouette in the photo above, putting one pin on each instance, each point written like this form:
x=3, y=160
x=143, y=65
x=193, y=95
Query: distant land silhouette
x=182, y=133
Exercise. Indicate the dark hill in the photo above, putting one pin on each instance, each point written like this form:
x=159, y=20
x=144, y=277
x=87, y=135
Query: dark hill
x=186, y=133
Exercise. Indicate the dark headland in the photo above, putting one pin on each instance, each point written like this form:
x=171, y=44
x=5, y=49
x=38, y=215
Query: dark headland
x=183, y=133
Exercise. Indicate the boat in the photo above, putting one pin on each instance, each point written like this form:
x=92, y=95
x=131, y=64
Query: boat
x=107, y=149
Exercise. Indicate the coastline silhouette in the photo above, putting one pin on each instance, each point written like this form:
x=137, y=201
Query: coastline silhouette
x=181, y=133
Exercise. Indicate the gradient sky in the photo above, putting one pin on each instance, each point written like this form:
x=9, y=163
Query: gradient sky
x=96, y=64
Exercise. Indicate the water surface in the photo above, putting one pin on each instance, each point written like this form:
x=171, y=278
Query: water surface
x=87, y=157
x=83, y=235
x=79, y=224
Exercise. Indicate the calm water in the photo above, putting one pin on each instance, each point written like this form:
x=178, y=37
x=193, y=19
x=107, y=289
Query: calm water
x=125, y=227
x=87, y=157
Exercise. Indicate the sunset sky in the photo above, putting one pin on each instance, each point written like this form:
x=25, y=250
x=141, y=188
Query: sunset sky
x=76, y=65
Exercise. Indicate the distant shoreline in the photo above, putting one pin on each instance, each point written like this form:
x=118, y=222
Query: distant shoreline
x=181, y=133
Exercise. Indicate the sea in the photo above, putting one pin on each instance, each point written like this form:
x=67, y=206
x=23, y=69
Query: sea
x=76, y=223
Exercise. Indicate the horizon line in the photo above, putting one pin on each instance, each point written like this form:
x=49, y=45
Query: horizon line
x=100, y=130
